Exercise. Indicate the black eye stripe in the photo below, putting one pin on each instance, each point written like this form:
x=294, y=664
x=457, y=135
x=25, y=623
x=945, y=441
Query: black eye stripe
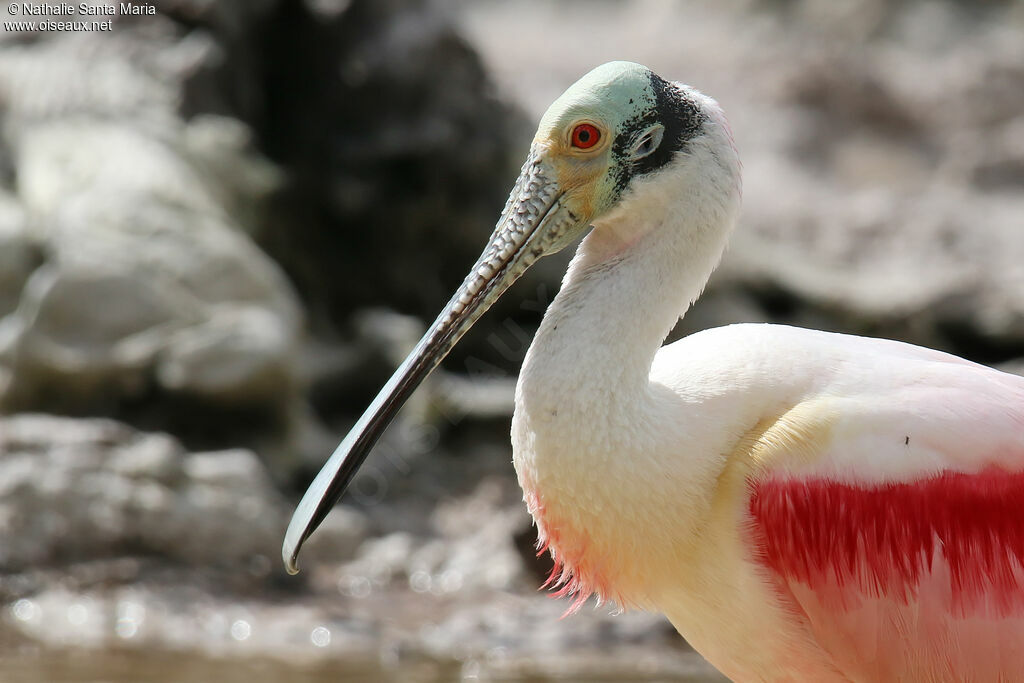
x=682, y=119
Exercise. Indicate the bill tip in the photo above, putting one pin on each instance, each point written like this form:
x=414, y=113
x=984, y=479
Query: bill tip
x=291, y=562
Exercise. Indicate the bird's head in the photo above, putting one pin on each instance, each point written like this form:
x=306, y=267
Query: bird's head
x=616, y=125
x=622, y=136
x=613, y=139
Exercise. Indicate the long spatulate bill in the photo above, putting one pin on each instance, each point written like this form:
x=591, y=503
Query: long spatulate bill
x=535, y=222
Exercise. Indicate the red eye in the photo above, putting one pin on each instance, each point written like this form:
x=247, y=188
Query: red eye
x=585, y=136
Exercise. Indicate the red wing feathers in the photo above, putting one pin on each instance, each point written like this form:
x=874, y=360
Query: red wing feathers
x=881, y=539
x=917, y=581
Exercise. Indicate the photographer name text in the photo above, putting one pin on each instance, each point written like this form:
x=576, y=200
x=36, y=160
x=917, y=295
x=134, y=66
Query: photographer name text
x=67, y=9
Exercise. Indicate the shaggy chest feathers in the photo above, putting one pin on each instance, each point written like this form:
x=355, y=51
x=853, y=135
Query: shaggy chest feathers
x=580, y=566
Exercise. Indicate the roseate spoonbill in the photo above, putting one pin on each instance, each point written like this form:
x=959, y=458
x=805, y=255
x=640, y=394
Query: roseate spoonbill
x=803, y=506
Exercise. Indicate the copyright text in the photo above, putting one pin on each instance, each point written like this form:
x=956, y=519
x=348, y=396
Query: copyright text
x=66, y=16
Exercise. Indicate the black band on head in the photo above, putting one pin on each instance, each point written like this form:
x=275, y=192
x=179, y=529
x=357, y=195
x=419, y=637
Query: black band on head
x=682, y=119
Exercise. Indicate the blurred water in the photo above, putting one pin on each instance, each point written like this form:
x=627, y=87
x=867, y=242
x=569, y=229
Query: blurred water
x=158, y=667
x=128, y=666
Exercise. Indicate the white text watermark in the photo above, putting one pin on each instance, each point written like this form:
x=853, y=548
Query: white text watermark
x=66, y=16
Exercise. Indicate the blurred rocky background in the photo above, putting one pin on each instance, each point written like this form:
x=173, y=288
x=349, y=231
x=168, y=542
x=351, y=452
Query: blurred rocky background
x=223, y=225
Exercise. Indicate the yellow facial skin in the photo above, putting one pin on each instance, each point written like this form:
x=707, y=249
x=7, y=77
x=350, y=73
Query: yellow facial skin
x=606, y=98
x=577, y=171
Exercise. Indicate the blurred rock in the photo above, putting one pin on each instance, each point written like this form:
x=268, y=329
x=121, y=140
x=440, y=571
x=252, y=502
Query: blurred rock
x=399, y=150
x=237, y=358
x=455, y=396
x=998, y=163
x=75, y=490
x=145, y=271
x=339, y=537
x=873, y=223
x=128, y=284
x=477, y=549
x=473, y=550
x=20, y=253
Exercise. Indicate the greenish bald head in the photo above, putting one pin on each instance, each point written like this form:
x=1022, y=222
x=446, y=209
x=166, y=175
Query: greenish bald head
x=641, y=119
x=614, y=93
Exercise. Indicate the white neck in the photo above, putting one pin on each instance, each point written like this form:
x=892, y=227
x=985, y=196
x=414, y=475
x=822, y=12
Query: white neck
x=631, y=280
x=586, y=411
x=584, y=403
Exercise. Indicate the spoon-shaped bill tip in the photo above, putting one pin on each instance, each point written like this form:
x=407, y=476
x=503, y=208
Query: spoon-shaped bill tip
x=534, y=223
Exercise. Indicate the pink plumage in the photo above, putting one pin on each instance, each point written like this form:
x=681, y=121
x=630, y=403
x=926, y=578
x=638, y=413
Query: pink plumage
x=574, y=573
x=902, y=580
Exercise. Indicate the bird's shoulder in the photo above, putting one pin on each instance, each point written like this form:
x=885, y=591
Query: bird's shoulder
x=792, y=360
x=811, y=403
x=774, y=345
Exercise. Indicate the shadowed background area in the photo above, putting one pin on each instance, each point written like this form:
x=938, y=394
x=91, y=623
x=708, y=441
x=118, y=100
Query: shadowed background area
x=222, y=226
